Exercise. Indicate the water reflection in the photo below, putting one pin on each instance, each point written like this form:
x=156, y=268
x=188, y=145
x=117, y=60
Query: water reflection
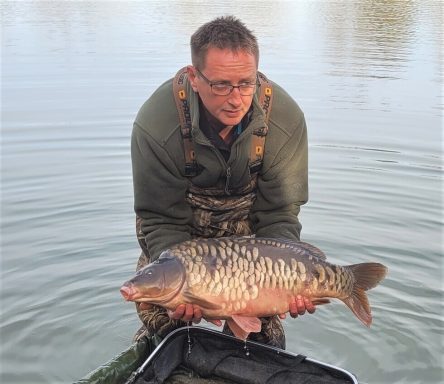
x=377, y=40
x=366, y=33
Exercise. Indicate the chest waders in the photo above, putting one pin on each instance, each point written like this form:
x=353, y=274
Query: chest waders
x=217, y=212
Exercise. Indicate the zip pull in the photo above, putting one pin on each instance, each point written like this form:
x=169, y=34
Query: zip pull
x=227, y=183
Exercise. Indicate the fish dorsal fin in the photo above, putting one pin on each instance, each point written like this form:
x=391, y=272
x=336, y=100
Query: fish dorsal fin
x=242, y=326
x=312, y=249
x=203, y=303
x=296, y=246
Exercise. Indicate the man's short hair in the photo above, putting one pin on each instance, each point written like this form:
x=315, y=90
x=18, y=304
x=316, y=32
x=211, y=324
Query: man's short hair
x=225, y=32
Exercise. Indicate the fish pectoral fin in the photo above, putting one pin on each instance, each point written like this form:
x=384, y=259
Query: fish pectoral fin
x=320, y=301
x=200, y=301
x=242, y=326
x=250, y=324
x=237, y=331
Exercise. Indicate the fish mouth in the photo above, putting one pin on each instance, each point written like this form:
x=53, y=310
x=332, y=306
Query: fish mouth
x=130, y=293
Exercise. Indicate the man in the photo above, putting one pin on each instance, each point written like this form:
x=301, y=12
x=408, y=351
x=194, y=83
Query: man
x=209, y=160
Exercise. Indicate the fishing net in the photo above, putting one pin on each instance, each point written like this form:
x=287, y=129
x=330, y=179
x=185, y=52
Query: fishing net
x=196, y=355
x=202, y=356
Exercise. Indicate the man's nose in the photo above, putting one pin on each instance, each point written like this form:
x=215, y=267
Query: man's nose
x=235, y=97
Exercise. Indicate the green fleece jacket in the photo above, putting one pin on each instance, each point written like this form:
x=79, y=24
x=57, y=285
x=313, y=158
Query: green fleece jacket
x=158, y=162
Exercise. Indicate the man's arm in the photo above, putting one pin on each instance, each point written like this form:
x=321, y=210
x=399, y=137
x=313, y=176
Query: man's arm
x=159, y=194
x=283, y=186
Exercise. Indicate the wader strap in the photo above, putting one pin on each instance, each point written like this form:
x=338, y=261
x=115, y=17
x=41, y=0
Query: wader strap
x=183, y=108
x=258, y=139
x=266, y=95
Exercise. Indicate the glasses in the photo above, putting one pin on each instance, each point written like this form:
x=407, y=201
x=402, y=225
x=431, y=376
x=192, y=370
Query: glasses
x=222, y=89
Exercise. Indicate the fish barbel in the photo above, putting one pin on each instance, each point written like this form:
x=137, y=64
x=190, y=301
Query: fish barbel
x=242, y=279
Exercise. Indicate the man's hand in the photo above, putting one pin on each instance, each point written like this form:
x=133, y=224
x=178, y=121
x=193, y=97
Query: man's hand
x=144, y=306
x=185, y=312
x=298, y=306
x=190, y=312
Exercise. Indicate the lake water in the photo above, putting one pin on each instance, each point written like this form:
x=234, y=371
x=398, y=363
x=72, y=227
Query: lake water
x=369, y=77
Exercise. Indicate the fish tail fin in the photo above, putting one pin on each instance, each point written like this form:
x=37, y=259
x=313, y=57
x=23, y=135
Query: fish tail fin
x=367, y=276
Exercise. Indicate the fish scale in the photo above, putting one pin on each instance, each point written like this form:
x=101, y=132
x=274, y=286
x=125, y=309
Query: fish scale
x=240, y=256
x=240, y=278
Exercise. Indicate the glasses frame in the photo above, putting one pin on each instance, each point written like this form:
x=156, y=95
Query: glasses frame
x=229, y=86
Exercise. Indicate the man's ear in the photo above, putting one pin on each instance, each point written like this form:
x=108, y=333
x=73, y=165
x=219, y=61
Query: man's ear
x=192, y=77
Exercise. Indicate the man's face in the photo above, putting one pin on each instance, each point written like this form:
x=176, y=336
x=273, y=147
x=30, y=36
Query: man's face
x=228, y=67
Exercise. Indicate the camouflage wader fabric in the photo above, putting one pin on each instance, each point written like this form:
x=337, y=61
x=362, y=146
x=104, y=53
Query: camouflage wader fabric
x=214, y=215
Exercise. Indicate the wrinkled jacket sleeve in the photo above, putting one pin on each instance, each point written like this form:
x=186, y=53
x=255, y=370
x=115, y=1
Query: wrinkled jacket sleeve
x=283, y=186
x=159, y=193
